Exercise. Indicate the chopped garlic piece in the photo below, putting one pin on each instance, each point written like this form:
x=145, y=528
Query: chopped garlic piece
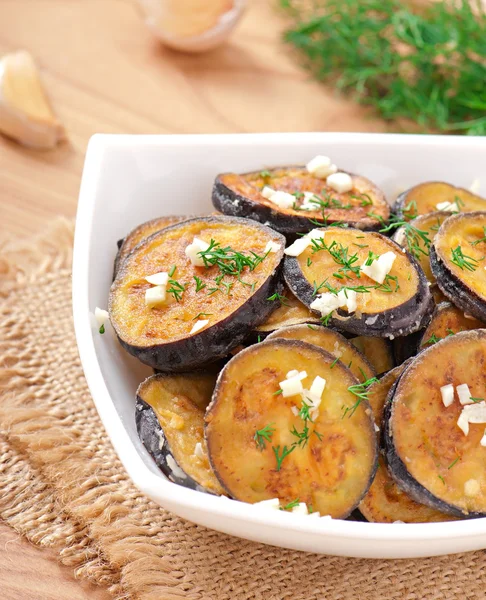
x=321, y=167
x=464, y=394
x=317, y=387
x=377, y=429
x=483, y=439
x=283, y=199
x=326, y=303
x=316, y=234
x=472, y=488
x=447, y=393
x=340, y=182
x=472, y=413
x=272, y=247
x=292, y=373
x=273, y=503
x=192, y=252
x=198, y=325
x=101, y=316
x=291, y=387
x=155, y=296
x=447, y=206
x=198, y=450
x=161, y=278
x=300, y=375
x=380, y=267
x=475, y=186
x=300, y=509
x=348, y=299
x=25, y=112
x=267, y=192
x=298, y=246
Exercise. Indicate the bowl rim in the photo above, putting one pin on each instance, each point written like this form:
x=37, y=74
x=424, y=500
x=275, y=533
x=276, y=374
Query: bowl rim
x=156, y=486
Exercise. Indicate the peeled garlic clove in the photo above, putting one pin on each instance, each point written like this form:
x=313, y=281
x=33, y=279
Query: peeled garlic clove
x=25, y=112
x=192, y=25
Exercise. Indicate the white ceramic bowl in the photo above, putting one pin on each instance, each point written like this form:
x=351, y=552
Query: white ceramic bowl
x=130, y=179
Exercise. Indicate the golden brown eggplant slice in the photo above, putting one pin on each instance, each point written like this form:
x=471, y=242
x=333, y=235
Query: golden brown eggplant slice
x=170, y=424
x=417, y=236
x=364, y=207
x=290, y=312
x=329, y=467
x=424, y=198
x=143, y=231
x=447, y=320
x=396, y=307
x=457, y=258
x=428, y=454
x=233, y=304
x=378, y=352
x=334, y=343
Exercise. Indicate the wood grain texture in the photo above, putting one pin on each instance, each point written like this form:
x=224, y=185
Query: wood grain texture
x=105, y=72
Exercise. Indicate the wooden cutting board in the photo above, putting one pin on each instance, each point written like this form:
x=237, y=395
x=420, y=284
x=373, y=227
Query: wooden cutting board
x=106, y=73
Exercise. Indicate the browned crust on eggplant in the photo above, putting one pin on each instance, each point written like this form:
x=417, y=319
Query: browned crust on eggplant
x=332, y=342
x=440, y=448
x=128, y=243
x=233, y=439
x=239, y=195
x=215, y=341
x=397, y=321
x=450, y=279
x=290, y=311
x=415, y=201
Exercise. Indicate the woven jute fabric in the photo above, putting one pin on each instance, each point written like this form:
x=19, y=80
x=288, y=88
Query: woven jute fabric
x=62, y=486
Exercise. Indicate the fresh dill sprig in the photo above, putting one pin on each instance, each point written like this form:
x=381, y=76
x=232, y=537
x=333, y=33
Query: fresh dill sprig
x=419, y=65
x=282, y=299
x=418, y=241
x=102, y=329
x=360, y=390
x=202, y=314
x=199, y=283
x=280, y=455
x=463, y=261
x=290, y=505
x=229, y=261
x=263, y=435
x=176, y=289
x=433, y=339
x=341, y=256
x=483, y=239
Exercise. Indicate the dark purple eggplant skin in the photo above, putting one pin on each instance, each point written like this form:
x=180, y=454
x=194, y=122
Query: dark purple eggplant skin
x=396, y=322
x=215, y=342
x=458, y=293
x=150, y=434
x=408, y=345
x=399, y=472
x=230, y=203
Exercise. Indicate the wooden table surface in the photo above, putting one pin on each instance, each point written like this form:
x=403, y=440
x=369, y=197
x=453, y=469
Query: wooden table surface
x=105, y=72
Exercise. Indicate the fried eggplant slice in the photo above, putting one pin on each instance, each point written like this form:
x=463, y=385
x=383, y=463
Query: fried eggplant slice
x=428, y=452
x=447, y=320
x=261, y=447
x=378, y=352
x=457, y=258
x=431, y=196
x=226, y=299
x=170, y=423
x=335, y=261
x=290, y=311
x=364, y=207
x=334, y=343
x=143, y=231
x=417, y=236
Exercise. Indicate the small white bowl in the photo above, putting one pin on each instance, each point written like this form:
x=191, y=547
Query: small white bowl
x=130, y=179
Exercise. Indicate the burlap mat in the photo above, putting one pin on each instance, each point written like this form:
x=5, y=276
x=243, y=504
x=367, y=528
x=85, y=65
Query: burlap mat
x=62, y=486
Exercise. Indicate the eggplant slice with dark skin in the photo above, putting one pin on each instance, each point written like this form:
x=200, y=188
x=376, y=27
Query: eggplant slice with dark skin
x=428, y=454
x=332, y=342
x=378, y=352
x=143, y=231
x=330, y=469
x=364, y=207
x=234, y=304
x=424, y=198
x=397, y=307
x=457, y=258
x=170, y=424
x=447, y=320
x=385, y=502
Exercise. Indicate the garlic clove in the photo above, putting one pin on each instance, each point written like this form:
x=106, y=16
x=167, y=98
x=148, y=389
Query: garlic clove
x=25, y=112
x=190, y=25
